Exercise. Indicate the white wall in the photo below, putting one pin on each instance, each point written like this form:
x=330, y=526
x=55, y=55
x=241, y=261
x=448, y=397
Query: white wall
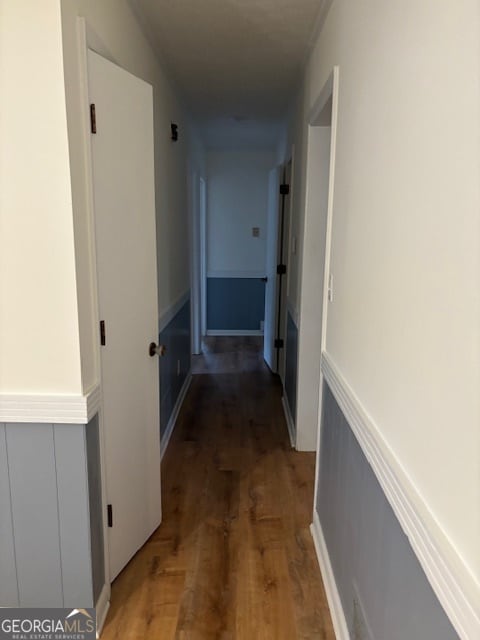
x=115, y=33
x=404, y=327
x=39, y=343
x=236, y=202
x=48, y=324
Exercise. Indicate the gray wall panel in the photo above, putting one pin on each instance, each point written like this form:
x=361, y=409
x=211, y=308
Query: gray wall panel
x=235, y=304
x=291, y=360
x=73, y=507
x=176, y=337
x=31, y=462
x=95, y=507
x=384, y=591
x=8, y=572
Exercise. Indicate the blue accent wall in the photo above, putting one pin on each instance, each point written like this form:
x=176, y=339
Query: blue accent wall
x=176, y=337
x=291, y=358
x=384, y=591
x=235, y=304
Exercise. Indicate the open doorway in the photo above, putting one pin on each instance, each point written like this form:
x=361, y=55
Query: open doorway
x=234, y=245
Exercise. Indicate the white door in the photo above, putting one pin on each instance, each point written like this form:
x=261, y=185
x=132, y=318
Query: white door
x=271, y=292
x=123, y=177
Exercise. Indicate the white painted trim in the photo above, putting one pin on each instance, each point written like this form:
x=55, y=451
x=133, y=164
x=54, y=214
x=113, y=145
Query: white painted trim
x=334, y=602
x=58, y=409
x=87, y=38
x=174, y=416
x=169, y=314
x=234, y=332
x=288, y=419
x=102, y=607
x=331, y=88
x=451, y=580
x=94, y=401
x=235, y=274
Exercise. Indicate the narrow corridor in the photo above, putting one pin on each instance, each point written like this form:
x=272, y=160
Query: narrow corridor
x=233, y=558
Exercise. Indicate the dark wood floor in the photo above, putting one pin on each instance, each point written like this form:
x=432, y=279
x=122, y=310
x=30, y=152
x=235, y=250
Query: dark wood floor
x=233, y=558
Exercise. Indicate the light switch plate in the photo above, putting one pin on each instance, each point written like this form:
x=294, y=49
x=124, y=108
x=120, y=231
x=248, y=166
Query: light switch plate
x=256, y=232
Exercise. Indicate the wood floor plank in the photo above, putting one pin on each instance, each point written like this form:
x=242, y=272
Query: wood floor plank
x=233, y=558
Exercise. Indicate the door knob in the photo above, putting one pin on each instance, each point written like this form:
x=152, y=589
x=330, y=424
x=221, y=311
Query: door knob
x=156, y=349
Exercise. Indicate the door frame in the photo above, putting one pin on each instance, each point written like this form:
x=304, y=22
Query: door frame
x=195, y=259
x=203, y=255
x=330, y=91
x=87, y=38
x=198, y=284
x=285, y=305
x=273, y=255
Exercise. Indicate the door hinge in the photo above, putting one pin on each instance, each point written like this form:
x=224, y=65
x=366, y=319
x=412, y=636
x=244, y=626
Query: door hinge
x=109, y=515
x=278, y=344
x=103, y=335
x=284, y=189
x=93, y=119
x=281, y=269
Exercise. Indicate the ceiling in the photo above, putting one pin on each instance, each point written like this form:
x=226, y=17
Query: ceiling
x=236, y=62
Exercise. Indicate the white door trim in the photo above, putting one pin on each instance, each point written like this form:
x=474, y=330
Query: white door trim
x=87, y=38
x=329, y=90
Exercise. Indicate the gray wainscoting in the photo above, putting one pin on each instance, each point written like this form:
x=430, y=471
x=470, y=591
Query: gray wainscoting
x=50, y=493
x=384, y=592
x=235, y=304
x=291, y=364
x=175, y=364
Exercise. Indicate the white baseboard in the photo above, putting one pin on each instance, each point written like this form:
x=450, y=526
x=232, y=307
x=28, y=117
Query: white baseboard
x=50, y=409
x=334, y=602
x=288, y=419
x=234, y=332
x=454, y=585
x=102, y=608
x=174, y=416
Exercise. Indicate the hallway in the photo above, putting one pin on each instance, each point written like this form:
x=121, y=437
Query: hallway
x=234, y=557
